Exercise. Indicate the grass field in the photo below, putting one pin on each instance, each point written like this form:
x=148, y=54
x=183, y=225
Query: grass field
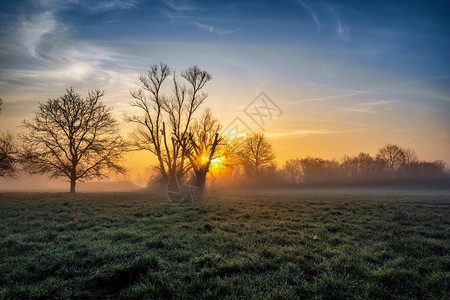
x=249, y=245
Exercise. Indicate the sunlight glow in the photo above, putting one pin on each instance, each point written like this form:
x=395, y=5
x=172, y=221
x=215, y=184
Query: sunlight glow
x=217, y=163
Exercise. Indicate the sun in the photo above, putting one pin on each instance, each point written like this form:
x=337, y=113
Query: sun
x=217, y=163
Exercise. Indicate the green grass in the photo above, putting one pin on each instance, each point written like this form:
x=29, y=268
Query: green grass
x=278, y=245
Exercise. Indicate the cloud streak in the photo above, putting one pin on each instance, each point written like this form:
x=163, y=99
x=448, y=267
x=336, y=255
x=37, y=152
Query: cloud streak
x=299, y=133
x=104, y=6
x=92, y=7
x=311, y=12
x=329, y=97
x=367, y=107
x=213, y=29
x=341, y=29
x=181, y=5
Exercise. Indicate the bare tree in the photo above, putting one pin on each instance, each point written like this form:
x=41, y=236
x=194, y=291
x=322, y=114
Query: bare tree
x=74, y=138
x=202, y=145
x=366, y=163
x=349, y=166
x=409, y=157
x=392, y=155
x=8, y=155
x=256, y=153
x=164, y=124
x=358, y=166
x=294, y=171
x=317, y=170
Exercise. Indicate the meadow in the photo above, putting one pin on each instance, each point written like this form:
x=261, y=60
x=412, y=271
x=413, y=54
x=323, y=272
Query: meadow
x=309, y=244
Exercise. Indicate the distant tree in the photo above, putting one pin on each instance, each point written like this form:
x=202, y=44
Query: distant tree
x=359, y=166
x=8, y=155
x=201, y=145
x=293, y=171
x=317, y=170
x=431, y=170
x=409, y=157
x=73, y=137
x=392, y=155
x=366, y=163
x=350, y=166
x=256, y=153
x=312, y=168
x=163, y=126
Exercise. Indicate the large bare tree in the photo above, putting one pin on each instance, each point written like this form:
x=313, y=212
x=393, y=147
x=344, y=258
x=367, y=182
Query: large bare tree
x=256, y=153
x=73, y=137
x=164, y=122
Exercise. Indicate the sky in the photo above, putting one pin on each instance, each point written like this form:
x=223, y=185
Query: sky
x=337, y=77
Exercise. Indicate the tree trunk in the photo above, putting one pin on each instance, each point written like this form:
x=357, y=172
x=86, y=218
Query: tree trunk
x=201, y=179
x=72, y=186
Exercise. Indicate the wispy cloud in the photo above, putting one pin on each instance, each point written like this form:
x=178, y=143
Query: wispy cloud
x=93, y=7
x=29, y=41
x=40, y=34
x=206, y=27
x=368, y=107
x=181, y=5
x=311, y=12
x=169, y=15
x=103, y=6
x=341, y=28
x=328, y=97
x=299, y=133
x=422, y=80
x=211, y=28
x=40, y=55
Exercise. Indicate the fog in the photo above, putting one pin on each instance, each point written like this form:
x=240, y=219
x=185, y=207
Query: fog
x=41, y=183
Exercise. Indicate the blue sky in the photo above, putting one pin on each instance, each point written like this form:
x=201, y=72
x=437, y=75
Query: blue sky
x=406, y=38
x=348, y=74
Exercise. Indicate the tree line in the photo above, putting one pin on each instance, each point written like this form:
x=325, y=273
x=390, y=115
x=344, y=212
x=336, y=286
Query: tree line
x=77, y=138
x=391, y=165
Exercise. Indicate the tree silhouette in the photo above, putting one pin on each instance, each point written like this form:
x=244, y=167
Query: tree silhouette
x=8, y=153
x=163, y=126
x=202, y=144
x=8, y=157
x=366, y=164
x=293, y=171
x=409, y=157
x=73, y=137
x=256, y=153
x=350, y=165
x=392, y=155
x=360, y=166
